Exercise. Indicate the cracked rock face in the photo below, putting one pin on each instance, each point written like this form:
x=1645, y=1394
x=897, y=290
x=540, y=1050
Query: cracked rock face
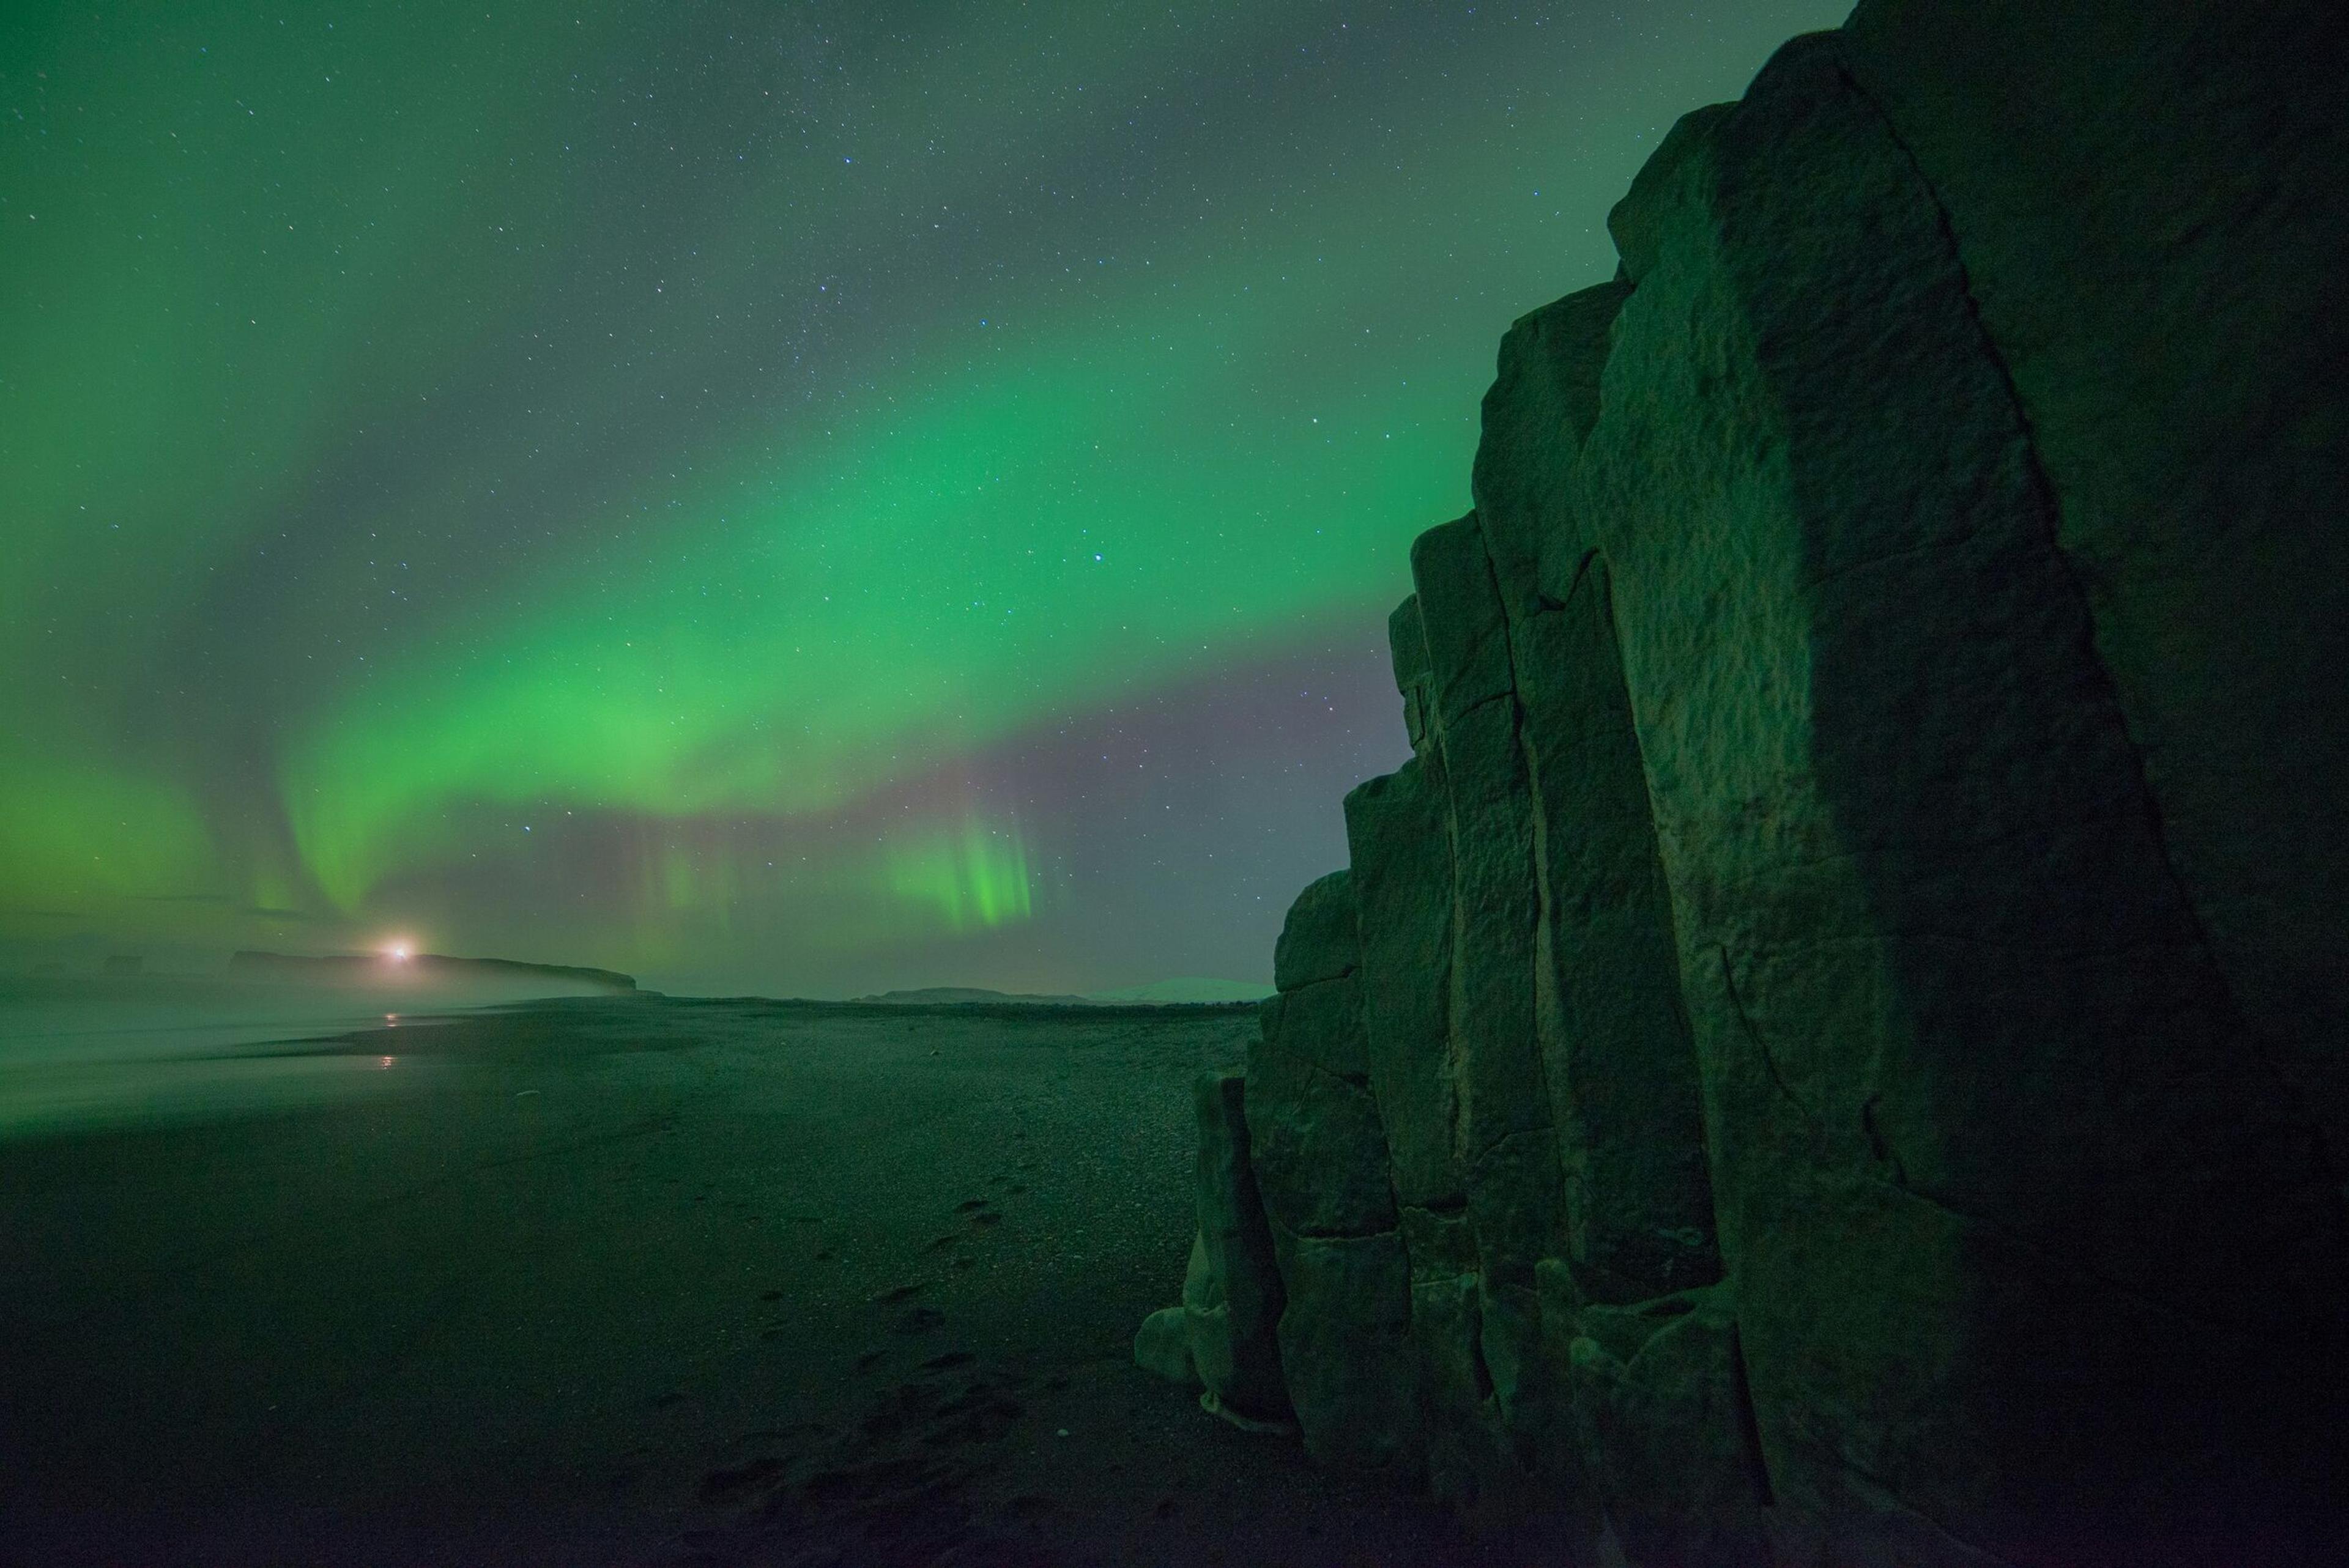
x=1833, y=1049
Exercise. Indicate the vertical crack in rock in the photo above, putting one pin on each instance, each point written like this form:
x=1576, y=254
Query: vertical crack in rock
x=2051, y=508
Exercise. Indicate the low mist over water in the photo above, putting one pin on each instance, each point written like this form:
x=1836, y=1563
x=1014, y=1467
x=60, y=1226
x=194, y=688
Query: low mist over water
x=83, y=1051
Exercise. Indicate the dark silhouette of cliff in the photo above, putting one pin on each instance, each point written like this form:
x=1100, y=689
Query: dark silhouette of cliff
x=1832, y=1051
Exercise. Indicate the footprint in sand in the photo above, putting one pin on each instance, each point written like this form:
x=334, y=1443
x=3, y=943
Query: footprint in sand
x=896, y=1294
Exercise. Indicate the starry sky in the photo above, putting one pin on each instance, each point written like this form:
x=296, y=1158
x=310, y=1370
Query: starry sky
x=784, y=497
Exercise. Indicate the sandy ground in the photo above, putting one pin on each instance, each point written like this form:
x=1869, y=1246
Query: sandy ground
x=650, y=1280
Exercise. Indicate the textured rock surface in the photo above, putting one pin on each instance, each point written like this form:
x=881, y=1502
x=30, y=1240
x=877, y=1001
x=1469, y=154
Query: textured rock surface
x=1321, y=1154
x=1615, y=1049
x=1939, y=977
x=1163, y=1345
x=1503, y=1140
x=1319, y=940
x=2151, y=207
x=1232, y=1295
x=1835, y=1048
x=1660, y=1399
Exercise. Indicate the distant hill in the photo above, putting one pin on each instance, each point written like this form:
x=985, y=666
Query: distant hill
x=374, y=970
x=954, y=996
x=1192, y=988
x=1158, y=993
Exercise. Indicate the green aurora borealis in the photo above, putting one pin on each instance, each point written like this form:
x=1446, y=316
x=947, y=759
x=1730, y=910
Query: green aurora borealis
x=791, y=497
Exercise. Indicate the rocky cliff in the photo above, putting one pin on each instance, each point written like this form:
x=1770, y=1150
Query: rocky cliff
x=1833, y=1051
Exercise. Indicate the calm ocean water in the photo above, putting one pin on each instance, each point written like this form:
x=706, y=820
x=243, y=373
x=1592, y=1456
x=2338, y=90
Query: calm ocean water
x=78, y=1054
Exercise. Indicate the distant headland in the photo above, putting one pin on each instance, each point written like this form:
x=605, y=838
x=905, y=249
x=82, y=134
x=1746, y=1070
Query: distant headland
x=372, y=969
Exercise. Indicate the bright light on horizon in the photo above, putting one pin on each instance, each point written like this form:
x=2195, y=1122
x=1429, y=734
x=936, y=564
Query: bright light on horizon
x=399, y=952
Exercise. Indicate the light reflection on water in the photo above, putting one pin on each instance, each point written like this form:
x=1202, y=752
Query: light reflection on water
x=77, y=1054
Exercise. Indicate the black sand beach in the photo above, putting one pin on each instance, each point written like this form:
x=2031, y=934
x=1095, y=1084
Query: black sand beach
x=650, y=1280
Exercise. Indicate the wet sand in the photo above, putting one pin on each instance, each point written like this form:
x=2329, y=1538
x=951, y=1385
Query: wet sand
x=648, y=1280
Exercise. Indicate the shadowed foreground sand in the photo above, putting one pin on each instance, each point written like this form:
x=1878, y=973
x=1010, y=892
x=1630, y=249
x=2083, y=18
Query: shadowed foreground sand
x=650, y=1280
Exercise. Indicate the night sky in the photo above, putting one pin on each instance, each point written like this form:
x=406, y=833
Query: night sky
x=799, y=498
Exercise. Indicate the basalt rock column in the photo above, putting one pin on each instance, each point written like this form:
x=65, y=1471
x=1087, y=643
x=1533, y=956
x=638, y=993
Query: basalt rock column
x=1973, y=1084
x=1657, y=1424
x=2151, y=206
x=1319, y=1153
x=1402, y=879
x=1502, y=1139
x=1851, y=982
x=1232, y=1295
x=1621, y=1067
